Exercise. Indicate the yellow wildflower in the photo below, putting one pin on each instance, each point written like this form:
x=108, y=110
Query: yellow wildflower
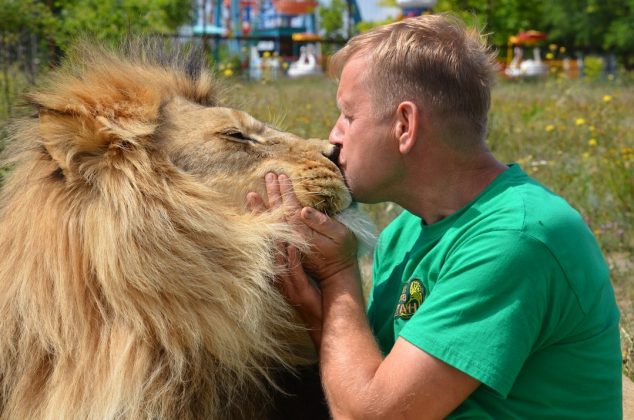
x=562, y=49
x=607, y=98
x=585, y=155
x=228, y=72
x=580, y=121
x=597, y=231
x=266, y=54
x=592, y=142
x=549, y=56
x=549, y=128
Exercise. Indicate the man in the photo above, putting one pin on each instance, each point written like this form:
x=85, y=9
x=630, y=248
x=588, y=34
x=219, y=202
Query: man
x=490, y=296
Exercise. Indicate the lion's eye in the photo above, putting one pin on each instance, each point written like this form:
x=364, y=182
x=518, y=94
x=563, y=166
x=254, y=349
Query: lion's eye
x=238, y=136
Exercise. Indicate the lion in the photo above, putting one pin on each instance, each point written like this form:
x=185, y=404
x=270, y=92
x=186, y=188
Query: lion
x=134, y=282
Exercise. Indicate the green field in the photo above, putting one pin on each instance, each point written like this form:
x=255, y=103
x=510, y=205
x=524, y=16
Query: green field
x=574, y=136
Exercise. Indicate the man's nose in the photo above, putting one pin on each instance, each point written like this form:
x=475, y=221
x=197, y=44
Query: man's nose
x=336, y=134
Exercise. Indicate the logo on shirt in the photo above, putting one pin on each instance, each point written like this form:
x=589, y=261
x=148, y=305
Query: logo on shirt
x=412, y=297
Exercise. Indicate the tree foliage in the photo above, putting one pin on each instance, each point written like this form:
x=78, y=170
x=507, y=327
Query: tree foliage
x=110, y=19
x=592, y=24
x=587, y=24
x=60, y=21
x=331, y=18
x=497, y=18
x=20, y=16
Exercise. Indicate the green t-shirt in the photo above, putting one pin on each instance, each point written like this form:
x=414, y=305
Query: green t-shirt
x=512, y=290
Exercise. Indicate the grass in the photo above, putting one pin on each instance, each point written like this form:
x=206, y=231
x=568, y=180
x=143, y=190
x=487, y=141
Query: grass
x=574, y=136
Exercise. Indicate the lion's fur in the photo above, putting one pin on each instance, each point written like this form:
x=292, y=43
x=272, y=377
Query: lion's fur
x=132, y=283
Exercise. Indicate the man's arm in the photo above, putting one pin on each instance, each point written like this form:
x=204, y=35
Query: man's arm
x=359, y=383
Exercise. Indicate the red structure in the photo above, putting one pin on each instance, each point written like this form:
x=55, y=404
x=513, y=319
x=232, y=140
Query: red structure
x=295, y=7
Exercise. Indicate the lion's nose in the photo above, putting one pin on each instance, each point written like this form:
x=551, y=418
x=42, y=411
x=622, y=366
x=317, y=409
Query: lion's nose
x=333, y=155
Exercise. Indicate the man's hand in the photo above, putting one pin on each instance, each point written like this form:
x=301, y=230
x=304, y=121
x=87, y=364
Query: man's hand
x=333, y=246
x=296, y=286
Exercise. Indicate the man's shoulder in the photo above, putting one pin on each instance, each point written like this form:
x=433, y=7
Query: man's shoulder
x=519, y=202
x=404, y=222
x=524, y=208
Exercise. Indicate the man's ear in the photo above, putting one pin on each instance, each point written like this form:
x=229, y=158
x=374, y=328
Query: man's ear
x=407, y=125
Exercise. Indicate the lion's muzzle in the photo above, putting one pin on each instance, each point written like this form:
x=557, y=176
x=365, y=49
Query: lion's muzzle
x=333, y=155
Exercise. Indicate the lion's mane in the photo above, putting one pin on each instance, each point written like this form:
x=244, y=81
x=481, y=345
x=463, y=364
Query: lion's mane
x=127, y=290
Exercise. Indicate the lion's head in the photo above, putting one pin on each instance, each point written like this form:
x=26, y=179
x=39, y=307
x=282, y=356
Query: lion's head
x=133, y=281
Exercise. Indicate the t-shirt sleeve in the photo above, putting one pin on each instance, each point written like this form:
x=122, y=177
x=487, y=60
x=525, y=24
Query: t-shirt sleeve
x=487, y=307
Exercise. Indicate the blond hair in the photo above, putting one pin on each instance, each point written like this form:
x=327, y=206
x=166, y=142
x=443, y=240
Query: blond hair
x=434, y=61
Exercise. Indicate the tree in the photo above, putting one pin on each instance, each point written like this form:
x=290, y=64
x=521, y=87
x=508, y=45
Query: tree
x=620, y=34
x=592, y=24
x=597, y=25
x=111, y=19
x=331, y=18
x=499, y=19
x=24, y=24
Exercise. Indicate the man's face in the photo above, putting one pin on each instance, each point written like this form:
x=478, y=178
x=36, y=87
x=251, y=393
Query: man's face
x=369, y=150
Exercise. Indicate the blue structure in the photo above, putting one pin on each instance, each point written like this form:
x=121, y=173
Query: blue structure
x=271, y=22
x=415, y=7
x=208, y=18
x=356, y=13
x=282, y=25
x=258, y=18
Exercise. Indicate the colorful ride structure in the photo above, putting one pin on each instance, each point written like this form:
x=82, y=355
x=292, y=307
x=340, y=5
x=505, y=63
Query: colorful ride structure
x=270, y=30
x=254, y=18
x=517, y=66
x=412, y=8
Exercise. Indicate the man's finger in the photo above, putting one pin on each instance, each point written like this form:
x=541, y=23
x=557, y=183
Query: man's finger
x=273, y=190
x=291, y=204
x=321, y=223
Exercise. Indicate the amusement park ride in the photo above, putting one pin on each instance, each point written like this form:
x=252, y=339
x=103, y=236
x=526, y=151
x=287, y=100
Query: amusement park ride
x=256, y=18
x=279, y=28
x=531, y=67
x=415, y=7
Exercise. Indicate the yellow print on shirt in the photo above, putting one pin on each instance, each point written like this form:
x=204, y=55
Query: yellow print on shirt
x=412, y=296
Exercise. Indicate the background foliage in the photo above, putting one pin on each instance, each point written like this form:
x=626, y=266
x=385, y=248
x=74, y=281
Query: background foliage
x=109, y=19
x=587, y=25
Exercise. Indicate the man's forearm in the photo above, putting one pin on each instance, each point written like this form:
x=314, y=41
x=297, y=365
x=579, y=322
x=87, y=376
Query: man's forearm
x=349, y=354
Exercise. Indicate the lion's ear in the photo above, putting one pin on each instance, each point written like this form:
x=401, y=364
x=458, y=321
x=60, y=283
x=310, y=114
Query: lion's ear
x=88, y=125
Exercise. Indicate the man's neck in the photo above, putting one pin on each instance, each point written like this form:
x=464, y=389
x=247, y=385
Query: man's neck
x=444, y=186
